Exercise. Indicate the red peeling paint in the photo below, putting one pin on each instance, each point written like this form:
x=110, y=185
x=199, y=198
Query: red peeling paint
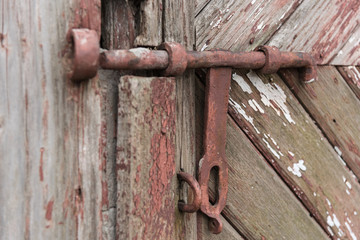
x=49, y=209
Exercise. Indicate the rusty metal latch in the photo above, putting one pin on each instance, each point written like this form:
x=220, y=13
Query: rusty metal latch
x=172, y=59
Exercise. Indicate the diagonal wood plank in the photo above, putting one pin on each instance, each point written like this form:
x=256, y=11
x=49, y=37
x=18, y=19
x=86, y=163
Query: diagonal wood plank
x=259, y=204
x=351, y=75
x=319, y=27
x=240, y=25
x=228, y=232
x=350, y=52
x=280, y=128
x=335, y=108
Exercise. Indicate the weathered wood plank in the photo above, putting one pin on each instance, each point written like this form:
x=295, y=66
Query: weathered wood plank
x=228, y=232
x=44, y=193
x=350, y=52
x=319, y=27
x=352, y=76
x=150, y=26
x=284, y=133
x=118, y=32
x=259, y=204
x=240, y=25
x=146, y=158
x=335, y=108
x=179, y=27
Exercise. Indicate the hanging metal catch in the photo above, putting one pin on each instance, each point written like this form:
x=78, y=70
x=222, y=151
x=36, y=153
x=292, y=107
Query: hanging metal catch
x=172, y=59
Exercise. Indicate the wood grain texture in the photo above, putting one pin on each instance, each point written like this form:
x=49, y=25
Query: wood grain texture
x=320, y=28
x=284, y=133
x=146, y=158
x=228, y=232
x=351, y=75
x=335, y=108
x=118, y=32
x=150, y=24
x=259, y=204
x=178, y=26
x=350, y=52
x=45, y=188
x=240, y=25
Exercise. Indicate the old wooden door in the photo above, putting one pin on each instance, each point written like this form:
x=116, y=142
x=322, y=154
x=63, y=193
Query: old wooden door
x=98, y=159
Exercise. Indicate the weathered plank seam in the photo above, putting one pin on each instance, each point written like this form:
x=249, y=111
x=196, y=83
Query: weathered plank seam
x=294, y=188
x=344, y=155
x=344, y=44
x=277, y=29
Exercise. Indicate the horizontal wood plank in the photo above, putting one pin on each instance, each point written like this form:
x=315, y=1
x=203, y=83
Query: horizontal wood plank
x=259, y=204
x=335, y=108
x=240, y=25
x=281, y=129
x=320, y=28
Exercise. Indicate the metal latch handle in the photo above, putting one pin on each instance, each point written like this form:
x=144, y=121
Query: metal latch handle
x=172, y=59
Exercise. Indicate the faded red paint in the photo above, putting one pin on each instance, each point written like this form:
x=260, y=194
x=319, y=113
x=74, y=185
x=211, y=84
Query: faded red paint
x=137, y=177
x=49, y=209
x=41, y=173
x=352, y=146
x=104, y=193
x=66, y=203
x=324, y=46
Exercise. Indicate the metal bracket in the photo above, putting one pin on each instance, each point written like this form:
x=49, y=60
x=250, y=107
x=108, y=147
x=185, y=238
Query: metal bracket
x=172, y=59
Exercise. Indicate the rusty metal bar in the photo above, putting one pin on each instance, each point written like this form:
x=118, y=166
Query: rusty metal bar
x=137, y=58
x=216, y=105
x=173, y=59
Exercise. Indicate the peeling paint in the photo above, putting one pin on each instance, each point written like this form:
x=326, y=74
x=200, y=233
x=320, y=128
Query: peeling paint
x=242, y=83
x=204, y=47
x=271, y=149
x=272, y=96
x=297, y=167
x=254, y=105
x=240, y=111
x=350, y=231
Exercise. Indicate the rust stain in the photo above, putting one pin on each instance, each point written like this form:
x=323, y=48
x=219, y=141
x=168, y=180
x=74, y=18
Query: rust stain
x=41, y=173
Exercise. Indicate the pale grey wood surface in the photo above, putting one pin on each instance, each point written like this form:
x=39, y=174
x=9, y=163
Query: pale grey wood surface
x=240, y=25
x=50, y=140
x=322, y=28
